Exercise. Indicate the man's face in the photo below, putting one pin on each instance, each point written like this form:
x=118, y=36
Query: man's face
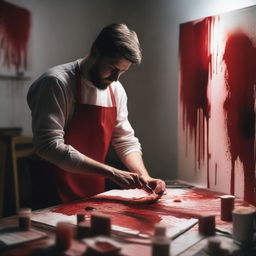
x=105, y=70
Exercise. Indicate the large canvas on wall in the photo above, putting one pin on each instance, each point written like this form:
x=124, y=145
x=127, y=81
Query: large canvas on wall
x=217, y=85
x=15, y=24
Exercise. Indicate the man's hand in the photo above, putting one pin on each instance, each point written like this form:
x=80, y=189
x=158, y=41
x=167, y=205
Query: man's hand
x=127, y=179
x=134, y=163
x=133, y=180
x=157, y=185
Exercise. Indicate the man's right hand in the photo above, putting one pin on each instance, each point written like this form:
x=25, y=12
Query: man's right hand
x=127, y=179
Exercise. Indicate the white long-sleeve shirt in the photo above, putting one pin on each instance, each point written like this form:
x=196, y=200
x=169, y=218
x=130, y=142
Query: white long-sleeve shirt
x=52, y=98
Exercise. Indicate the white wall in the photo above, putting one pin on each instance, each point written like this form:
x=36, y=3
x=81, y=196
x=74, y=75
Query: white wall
x=63, y=30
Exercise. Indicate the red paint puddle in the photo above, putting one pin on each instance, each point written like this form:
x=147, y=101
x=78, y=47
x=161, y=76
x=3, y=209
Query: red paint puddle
x=195, y=63
x=240, y=59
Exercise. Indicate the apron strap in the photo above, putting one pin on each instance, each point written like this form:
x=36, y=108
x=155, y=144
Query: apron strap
x=78, y=84
x=113, y=99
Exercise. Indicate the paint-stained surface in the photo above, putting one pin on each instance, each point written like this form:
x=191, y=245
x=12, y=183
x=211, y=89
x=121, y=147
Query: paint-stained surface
x=177, y=209
x=217, y=102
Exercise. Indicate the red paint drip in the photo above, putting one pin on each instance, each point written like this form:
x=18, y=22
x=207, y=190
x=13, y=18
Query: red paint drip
x=14, y=35
x=195, y=63
x=215, y=174
x=240, y=59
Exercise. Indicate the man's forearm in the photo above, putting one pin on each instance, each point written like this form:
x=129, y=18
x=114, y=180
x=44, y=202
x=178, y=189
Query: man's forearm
x=134, y=162
x=92, y=166
x=123, y=178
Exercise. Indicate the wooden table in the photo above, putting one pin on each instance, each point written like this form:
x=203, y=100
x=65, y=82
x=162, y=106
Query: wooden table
x=177, y=209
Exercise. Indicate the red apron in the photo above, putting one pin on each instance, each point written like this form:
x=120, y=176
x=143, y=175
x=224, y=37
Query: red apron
x=89, y=132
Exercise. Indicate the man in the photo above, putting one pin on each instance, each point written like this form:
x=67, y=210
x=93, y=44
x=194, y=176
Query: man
x=80, y=107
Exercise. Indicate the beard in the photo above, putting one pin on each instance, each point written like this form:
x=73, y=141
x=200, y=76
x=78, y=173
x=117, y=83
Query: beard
x=96, y=79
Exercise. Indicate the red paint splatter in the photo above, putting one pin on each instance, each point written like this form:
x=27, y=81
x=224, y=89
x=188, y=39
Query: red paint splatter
x=195, y=63
x=14, y=34
x=240, y=59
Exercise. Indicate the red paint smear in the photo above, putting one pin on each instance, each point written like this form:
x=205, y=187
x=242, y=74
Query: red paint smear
x=195, y=63
x=135, y=217
x=240, y=59
x=14, y=34
x=192, y=204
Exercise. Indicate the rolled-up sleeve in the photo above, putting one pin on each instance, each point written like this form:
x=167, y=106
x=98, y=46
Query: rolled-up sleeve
x=47, y=99
x=123, y=138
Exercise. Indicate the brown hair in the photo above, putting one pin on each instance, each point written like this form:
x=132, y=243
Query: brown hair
x=118, y=39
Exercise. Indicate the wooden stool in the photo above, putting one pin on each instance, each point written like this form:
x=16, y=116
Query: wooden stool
x=21, y=146
x=3, y=156
x=12, y=148
x=5, y=133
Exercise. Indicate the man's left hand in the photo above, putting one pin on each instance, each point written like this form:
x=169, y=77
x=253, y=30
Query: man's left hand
x=157, y=185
